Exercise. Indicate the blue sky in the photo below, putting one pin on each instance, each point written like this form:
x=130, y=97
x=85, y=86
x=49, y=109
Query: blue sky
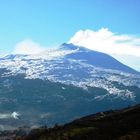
x=55, y=21
x=52, y=22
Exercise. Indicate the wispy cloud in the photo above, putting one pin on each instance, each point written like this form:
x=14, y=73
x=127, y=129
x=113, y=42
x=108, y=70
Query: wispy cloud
x=106, y=41
x=28, y=46
x=125, y=48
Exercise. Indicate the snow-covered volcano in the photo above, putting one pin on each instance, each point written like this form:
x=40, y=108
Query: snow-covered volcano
x=68, y=80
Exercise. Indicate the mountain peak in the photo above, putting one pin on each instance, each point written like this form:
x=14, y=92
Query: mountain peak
x=66, y=46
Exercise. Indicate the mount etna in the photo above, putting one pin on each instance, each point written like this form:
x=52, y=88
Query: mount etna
x=62, y=84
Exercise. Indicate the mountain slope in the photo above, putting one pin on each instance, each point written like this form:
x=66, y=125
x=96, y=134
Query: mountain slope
x=55, y=82
x=98, y=59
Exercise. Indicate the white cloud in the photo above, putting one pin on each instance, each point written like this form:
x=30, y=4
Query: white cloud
x=125, y=48
x=105, y=41
x=28, y=47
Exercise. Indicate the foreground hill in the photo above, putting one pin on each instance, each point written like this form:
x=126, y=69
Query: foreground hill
x=110, y=125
